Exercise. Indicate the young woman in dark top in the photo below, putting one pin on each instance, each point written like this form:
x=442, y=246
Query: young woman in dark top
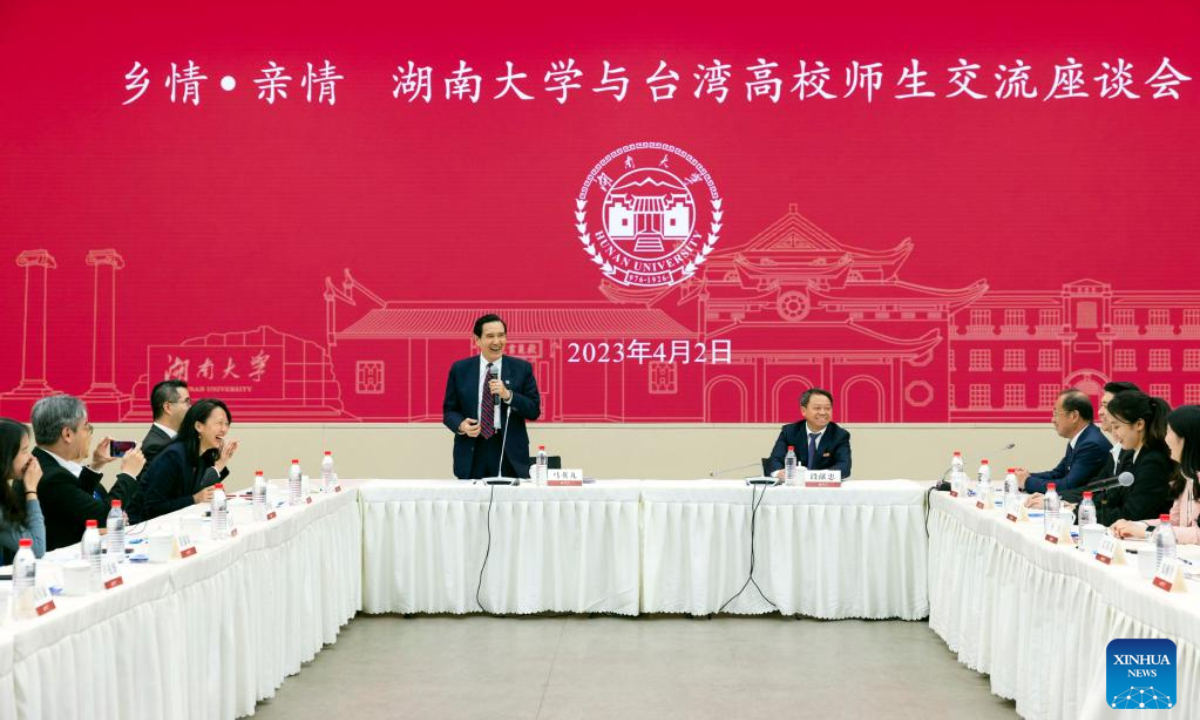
x=185, y=471
x=1139, y=423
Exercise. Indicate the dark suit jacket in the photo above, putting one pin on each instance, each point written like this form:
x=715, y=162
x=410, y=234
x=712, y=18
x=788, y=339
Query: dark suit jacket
x=156, y=440
x=462, y=401
x=69, y=502
x=174, y=477
x=1146, y=499
x=833, y=451
x=1087, y=461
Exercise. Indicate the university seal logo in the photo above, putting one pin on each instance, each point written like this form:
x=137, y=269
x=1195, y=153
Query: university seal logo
x=648, y=215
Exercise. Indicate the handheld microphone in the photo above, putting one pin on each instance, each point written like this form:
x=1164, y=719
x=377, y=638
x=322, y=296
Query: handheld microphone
x=492, y=375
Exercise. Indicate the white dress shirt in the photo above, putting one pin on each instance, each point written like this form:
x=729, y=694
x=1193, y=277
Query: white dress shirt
x=170, y=433
x=72, y=467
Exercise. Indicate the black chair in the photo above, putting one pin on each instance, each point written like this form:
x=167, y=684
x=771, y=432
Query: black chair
x=553, y=462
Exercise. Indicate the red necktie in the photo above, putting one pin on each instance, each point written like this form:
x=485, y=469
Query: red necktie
x=487, y=408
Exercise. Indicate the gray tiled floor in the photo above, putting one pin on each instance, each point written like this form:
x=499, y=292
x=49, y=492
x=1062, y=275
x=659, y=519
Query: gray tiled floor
x=549, y=668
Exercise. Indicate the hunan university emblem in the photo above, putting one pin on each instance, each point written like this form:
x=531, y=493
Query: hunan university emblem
x=659, y=215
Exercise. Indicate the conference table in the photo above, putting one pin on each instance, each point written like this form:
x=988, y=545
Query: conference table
x=1036, y=617
x=210, y=635
x=205, y=636
x=631, y=547
x=857, y=551
x=547, y=548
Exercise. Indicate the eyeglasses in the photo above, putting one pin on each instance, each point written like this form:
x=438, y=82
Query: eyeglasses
x=182, y=401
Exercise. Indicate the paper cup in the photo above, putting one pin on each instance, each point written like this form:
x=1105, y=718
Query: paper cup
x=77, y=578
x=160, y=547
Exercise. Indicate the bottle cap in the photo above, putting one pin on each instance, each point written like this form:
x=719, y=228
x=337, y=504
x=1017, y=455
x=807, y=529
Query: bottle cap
x=791, y=448
x=328, y=452
x=295, y=462
x=1012, y=470
x=983, y=461
x=1051, y=486
x=116, y=504
x=1087, y=494
x=92, y=524
x=957, y=454
x=541, y=447
x=219, y=486
x=1165, y=519
x=25, y=542
x=258, y=472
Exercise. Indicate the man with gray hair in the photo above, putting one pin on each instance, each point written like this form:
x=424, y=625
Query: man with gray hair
x=71, y=493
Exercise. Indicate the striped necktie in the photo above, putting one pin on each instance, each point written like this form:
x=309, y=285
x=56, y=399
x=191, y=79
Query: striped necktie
x=487, y=408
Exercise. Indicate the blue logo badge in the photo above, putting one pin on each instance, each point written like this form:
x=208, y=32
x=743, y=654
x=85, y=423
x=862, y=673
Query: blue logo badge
x=1141, y=674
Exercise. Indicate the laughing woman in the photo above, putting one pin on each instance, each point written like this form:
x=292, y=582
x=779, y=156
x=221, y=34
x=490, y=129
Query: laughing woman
x=1183, y=438
x=185, y=471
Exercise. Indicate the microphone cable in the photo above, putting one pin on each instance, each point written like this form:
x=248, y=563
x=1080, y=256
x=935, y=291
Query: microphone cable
x=487, y=552
x=754, y=506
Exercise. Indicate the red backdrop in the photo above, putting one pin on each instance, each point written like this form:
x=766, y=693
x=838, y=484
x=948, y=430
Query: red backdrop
x=927, y=259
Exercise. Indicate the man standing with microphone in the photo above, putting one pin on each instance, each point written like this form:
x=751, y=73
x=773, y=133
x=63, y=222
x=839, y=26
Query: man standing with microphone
x=488, y=400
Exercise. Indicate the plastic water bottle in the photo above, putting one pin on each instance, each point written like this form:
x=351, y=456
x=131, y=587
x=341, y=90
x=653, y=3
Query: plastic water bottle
x=956, y=464
x=542, y=468
x=1051, y=506
x=790, y=466
x=259, y=497
x=1087, y=512
x=294, y=480
x=220, y=513
x=116, y=532
x=327, y=472
x=1011, y=487
x=90, y=550
x=1164, y=540
x=1011, y=492
x=985, y=481
x=24, y=567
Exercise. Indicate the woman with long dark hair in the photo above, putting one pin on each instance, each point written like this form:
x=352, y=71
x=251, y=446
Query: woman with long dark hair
x=185, y=471
x=1183, y=439
x=1139, y=423
x=20, y=473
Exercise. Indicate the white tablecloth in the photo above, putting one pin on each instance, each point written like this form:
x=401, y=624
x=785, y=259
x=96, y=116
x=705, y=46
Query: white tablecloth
x=1037, y=618
x=8, y=693
x=201, y=637
x=572, y=549
x=858, y=551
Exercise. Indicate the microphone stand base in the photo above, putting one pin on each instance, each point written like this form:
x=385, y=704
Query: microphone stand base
x=763, y=480
x=501, y=481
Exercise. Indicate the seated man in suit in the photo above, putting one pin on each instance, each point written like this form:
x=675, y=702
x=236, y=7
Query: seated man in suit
x=169, y=401
x=489, y=397
x=820, y=444
x=1088, y=451
x=70, y=493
